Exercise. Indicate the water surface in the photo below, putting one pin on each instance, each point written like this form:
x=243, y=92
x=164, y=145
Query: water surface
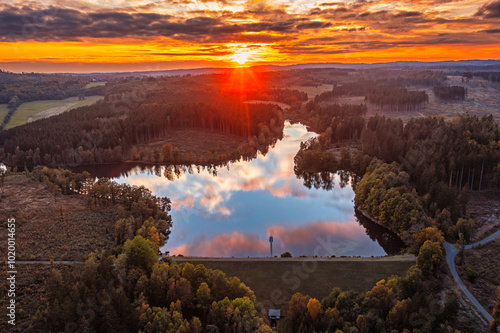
x=233, y=212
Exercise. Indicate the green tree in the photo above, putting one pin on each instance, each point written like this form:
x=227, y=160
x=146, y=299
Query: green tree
x=140, y=253
x=429, y=257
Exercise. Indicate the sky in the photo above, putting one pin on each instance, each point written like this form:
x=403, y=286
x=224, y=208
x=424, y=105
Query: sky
x=137, y=35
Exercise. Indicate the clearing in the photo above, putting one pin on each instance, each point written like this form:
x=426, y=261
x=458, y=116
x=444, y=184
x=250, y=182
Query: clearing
x=483, y=99
x=43, y=232
x=31, y=111
x=94, y=84
x=196, y=143
x=275, y=281
x=312, y=91
x=3, y=111
x=281, y=105
x=484, y=208
x=485, y=261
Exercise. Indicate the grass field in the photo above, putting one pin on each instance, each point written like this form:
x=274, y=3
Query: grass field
x=274, y=282
x=94, y=84
x=313, y=91
x=3, y=111
x=31, y=111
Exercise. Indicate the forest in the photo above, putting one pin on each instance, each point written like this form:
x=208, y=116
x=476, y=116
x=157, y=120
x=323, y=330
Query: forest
x=32, y=86
x=140, y=111
x=415, y=175
x=385, y=95
x=128, y=289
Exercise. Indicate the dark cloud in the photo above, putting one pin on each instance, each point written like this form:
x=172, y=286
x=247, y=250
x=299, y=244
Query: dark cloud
x=67, y=24
x=407, y=14
x=314, y=25
x=489, y=10
x=491, y=31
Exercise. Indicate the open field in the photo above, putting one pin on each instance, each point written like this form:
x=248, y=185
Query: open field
x=275, y=281
x=485, y=261
x=313, y=91
x=484, y=208
x=42, y=233
x=31, y=111
x=94, y=84
x=196, y=142
x=483, y=99
x=3, y=111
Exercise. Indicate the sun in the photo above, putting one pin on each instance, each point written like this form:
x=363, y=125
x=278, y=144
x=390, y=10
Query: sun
x=241, y=57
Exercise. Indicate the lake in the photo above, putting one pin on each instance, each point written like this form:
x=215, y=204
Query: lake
x=233, y=211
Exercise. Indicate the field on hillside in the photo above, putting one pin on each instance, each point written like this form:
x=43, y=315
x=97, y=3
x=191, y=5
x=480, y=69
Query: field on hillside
x=94, y=84
x=274, y=282
x=312, y=91
x=195, y=142
x=48, y=227
x=3, y=111
x=31, y=111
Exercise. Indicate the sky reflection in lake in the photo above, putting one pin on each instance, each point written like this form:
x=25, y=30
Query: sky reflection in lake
x=234, y=213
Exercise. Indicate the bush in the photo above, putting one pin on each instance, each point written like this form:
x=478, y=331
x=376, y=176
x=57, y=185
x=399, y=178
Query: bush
x=286, y=255
x=471, y=274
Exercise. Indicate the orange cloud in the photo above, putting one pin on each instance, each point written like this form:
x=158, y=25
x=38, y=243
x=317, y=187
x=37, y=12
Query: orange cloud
x=87, y=35
x=224, y=245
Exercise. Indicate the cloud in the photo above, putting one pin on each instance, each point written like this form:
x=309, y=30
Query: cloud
x=55, y=23
x=224, y=245
x=491, y=31
x=489, y=10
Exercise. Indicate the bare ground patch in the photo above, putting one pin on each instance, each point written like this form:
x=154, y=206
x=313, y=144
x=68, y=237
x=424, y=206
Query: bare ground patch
x=485, y=261
x=42, y=233
x=197, y=142
x=30, y=293
x=484, y=208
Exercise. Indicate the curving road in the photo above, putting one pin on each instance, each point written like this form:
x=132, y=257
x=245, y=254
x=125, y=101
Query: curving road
x=451, y=252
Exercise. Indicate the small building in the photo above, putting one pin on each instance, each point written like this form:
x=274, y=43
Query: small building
x=274, y=315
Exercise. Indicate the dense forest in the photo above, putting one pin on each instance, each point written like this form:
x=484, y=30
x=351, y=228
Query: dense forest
x=33, y=87
x=420, y=173
x=141, y=110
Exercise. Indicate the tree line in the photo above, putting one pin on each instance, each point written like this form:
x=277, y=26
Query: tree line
x=450, y=93
x=385, y=94
x=107, y=131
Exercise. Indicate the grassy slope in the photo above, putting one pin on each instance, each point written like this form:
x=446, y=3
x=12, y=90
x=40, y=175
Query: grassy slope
x=3, y=111
x=30, y=109
x=94, y=84
x=276, y=281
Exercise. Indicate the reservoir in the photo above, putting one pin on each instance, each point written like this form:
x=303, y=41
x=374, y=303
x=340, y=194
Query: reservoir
x=233, y=210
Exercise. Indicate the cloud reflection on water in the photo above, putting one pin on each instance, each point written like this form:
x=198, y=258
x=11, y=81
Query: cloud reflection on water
x=233, y=213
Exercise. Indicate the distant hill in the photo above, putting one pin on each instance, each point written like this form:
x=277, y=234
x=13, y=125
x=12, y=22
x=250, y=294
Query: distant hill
x=475, y=65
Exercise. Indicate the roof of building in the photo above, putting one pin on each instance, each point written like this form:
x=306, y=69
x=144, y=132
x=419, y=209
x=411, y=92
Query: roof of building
x=274, y=313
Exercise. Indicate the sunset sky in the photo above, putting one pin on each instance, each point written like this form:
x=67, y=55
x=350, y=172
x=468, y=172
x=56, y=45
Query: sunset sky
x=124, y=35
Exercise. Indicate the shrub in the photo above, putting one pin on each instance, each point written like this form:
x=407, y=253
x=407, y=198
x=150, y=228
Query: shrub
x=471, y=274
